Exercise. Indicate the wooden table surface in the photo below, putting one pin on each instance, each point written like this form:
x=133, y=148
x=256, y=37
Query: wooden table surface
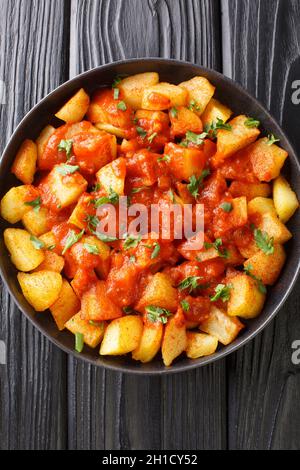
x=48, y=400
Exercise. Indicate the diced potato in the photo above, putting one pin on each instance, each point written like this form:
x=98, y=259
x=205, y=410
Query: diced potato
x=40, y=289
x=230, y=141
x=267, y=160
x=52, y=262
x=75, y=109
x=66, y=306
x=246, y=300
x=250, y=190
x=13, y=204
x=159, y=292
x=261, y=205
x=80, y=211
x=122, y=336
x=150, y=342
x=23, y=254
x=66, y=189
x=200, y=344
x=200, y=91
x=267, y=267
x=92, y=333
x=112, y=176
x=48, y=239
x=43, y=138
x=249, y=249
x=97, y=306
x=36, y=222
x=24, y=165
x=103, y=252
x=185, y=120
x=270, y=224
x=222, y=326
x=285, y=199
x=214, y=111
x=174, y=339
x=185, y=162
x=163, y=96
x=117, y=131
x=132, y=87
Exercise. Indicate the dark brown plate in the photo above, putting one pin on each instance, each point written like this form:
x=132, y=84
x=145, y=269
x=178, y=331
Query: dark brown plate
x=174, y=71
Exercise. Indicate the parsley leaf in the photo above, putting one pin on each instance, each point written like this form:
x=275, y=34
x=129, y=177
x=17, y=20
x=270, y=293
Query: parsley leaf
x=165, y=158
x=261, y=287
x=174, y=112
x=194, y=106
x=215, y=126
x=72, y=239
x=116, y=81
x=65, y=169
x=221, y=292
x=226, y=206
x=38, y=244
x=112, y=198
x=103, y=237
x=156, y=314
x=156, y=250
x=96, y=187
x=66, y=145
x=36, y=204
x=185, y=305
x=92, y=249
x=79, y=343
x=92, y=221
x=138, y=190
x=189, y=283
x=197, y=139
x=171, y=195
x=122, y=106
x=272, y=139
x=116, y=93
x=131, y=241
x=196, y=183
x=142, y=133
x=216, y=245
x=263, y=241
x=250, y=122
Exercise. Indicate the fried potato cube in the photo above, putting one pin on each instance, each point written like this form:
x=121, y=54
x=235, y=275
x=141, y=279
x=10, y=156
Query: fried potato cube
x=150, y=342
x=214, y=111
x=200, y=91
x=200, y=344
x=184, y=120
x=267, y=267
x=24, y=165
x=92, y=333
x=23, y=254
x=163, y=96
x=66, y=189
x=112, y=176
x=175, y=339
x=42, y=140
x=97, y=306
x=261, y=205
x=230, y=141
x=249, y=190
x=185, y=162
x=270, y=224
x=267, y=160
x=66, y=306
x=222, y=326
x=75, y=109
x=103, y=252
x=117, y=131
x=81, y=210
x=132, y=88
x=285, y=199
x=246, y=299
x=36, y=222
x=13, y=204
x=48, y=239
x=40, y=289
x=52, y=262
x=159, y=292
x=122, y=336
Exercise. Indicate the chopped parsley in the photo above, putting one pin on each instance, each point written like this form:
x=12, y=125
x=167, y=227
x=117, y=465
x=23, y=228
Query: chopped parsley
x=164, y=158
x=112, y=198
x=196, y=139
x=196, y=183
x=222, y=292
x=226, y=206
x=103, y=237
x=174, y=112
x=189, y=283
x=260, y=285
x=122, y=106
x=250, y=122
x=152, y=137
x=156, y=250
x=79, y=342
x=185, y=305
x=194, y=106
x=72, y=239
x=131, y=241
x=116, y=81
x=35, y=204
x=217, y=246
x=272, y=139
x=156, y=314
x=38, y=244
x=142, y=133
x=92, y=249
x=116, y=93
x=215, y=126
x=66, y=145
x=65, y=169
x=263, y=241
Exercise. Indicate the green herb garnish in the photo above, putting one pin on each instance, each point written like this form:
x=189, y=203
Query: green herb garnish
x=189, y=283
x=194, y=106
x=65, y=169
x=112, y=198
x=156, y=250
x=260, y=285
x=36, y=204
x=250, y=122
x=272, y=139
x=156, y=314
x=38, y=244
x=92, y=249
x=103, y=237
x=222, y=292
x=174, y=112
x=215, y=126
x=217, y=246
x=196, y=183
x=122, y=106
x=116, y=93
x=66, y=145
x=185, y=305
x=152, y=137
x=165, y=158
x=142, y=133
x=131, y=241
x=263, y=241
x=79, y=343
x=197, y=139
x=72, y=239
x=226, y=206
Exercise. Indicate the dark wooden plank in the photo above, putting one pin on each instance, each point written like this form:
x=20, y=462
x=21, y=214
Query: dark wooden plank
x=114, y=411
x=32, y=384
x=261, y=42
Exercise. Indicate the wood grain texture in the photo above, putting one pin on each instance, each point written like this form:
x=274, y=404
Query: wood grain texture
x=114, y=411
x=261, y=44
x=32, y=384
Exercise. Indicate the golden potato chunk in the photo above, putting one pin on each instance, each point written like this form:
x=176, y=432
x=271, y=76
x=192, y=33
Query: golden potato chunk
x=184, y=120
x=117, y=131
x=15, y=203
x=230, y=141
x=132, y=88
x=270, y=224
x=66, y=306
x=267, y=160
x=103, y=252
x=49, y=240
x=285, y=199
x=175, y=338
x=150, y=342
x=214, y=111
x=65, y=188
x=112, y=176
x=249, y=190
x=159, y=292
x=122, y=336
x=40, y=289
x=36, y=222
x=261, y=205
x=97, y=306
x=75, y=109
x=200, y=91
x=184, y=162
x=23, y=253
x=52, y=262
x=222, y=326
x=163, y=96
x=200, y=344
x=43, y=138
x=92, y=332
x=24, y=165
x=267, y=267
x=246, y=299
